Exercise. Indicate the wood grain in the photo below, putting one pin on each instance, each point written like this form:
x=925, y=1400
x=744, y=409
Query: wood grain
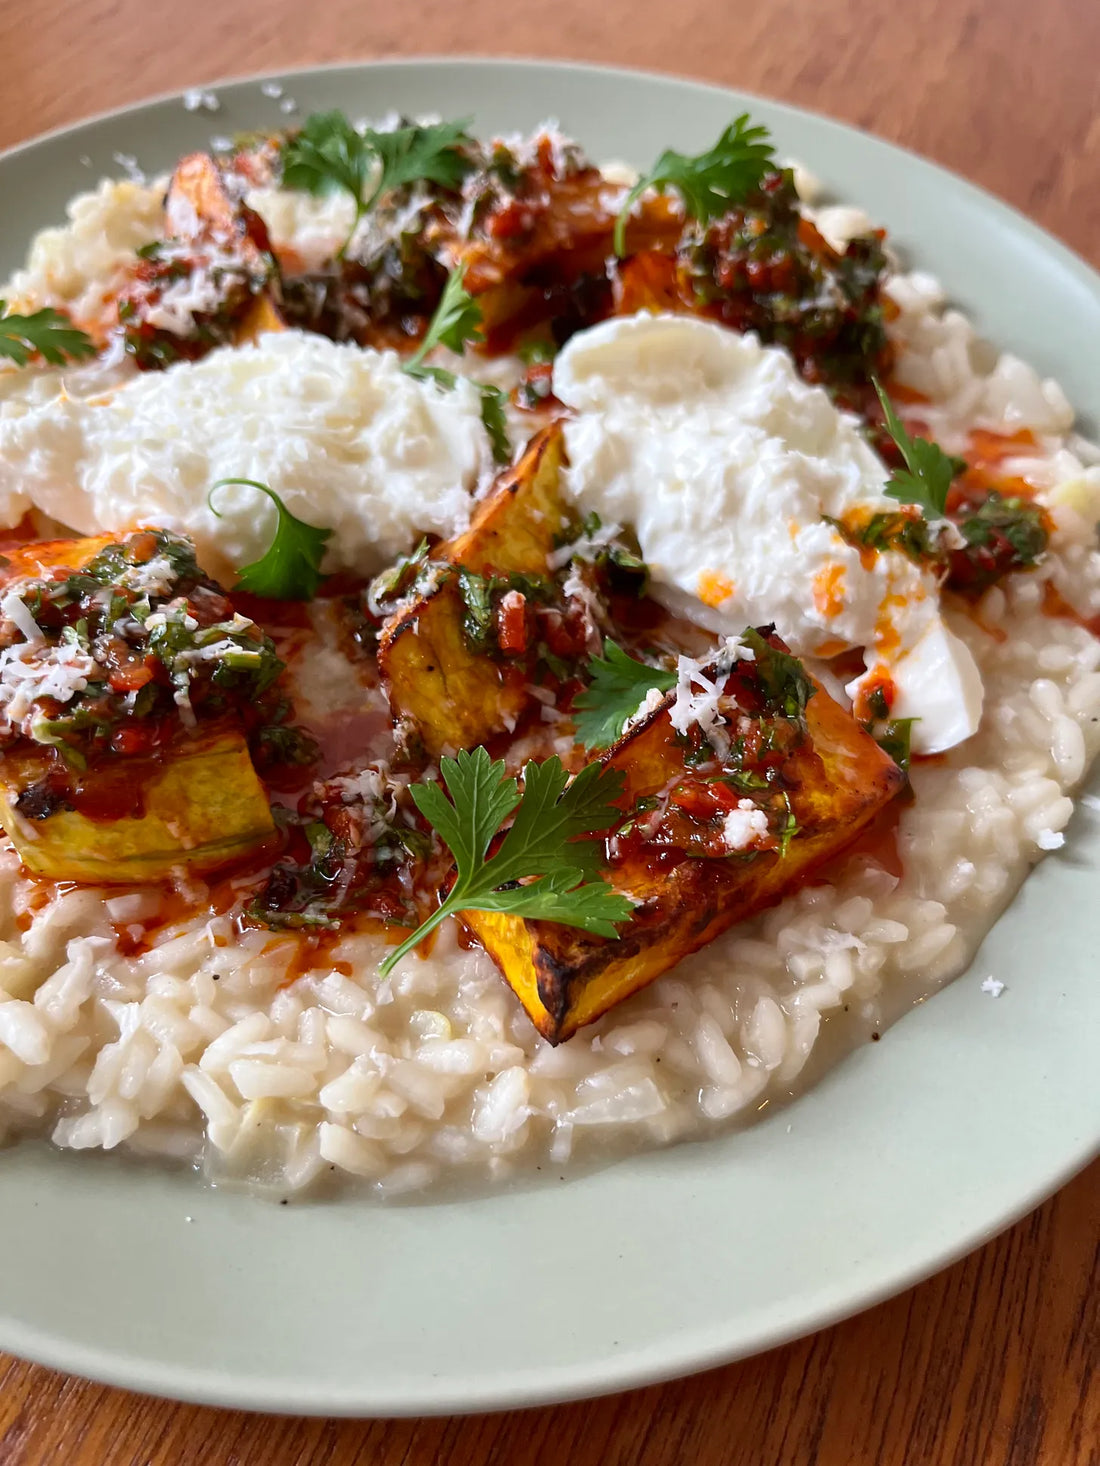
x=993, y=1362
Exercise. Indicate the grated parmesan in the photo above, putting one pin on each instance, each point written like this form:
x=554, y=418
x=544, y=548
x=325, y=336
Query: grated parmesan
x=697, y=696
x=30, y=672
x=14, y=609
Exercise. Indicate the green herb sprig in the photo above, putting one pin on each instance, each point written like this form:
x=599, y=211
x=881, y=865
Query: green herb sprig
x=1017, y=521
x=710, y=182
x=929, y=472
x=549, y=844
x=329, y=154
x=457, y=321
x=290, y=569
x=47, y=332
x=782, y=676
x=495, y=422
x=618, y=688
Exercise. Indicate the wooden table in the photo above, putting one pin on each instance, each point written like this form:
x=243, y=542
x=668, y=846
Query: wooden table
x=990, y=1364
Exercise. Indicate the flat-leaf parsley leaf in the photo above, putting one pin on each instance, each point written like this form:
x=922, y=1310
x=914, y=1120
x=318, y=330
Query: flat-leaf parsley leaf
x=545, y=848
x=329, y=153
x=421, y=154
x=456, y=321
x=710, y=182
x=290, y=570
x=47, y=332
x=618, y=688
x=929, y=471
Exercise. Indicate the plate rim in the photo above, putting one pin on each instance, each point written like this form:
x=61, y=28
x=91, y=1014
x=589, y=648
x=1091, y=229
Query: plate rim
x=436, y=61
x=527, y=1387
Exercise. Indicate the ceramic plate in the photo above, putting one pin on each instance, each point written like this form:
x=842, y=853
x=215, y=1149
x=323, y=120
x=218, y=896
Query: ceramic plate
x=910, y=1153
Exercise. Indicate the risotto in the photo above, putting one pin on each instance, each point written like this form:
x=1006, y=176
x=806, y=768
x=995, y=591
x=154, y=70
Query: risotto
x=208, y=1017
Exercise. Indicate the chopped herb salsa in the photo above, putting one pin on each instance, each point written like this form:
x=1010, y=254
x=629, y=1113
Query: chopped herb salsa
x=119, y=654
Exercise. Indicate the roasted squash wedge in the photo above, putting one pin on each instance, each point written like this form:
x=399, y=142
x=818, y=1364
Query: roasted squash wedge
x=262, y=317
x=454, y=696
x=199, y=807
x=127, y=688
x=198, y=205
x=834, y=780
x=221, y=246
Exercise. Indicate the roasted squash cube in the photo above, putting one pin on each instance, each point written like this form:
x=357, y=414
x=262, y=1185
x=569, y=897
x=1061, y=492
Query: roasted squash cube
x=199, y=205
x=223, y=246
x=457, y=697
x=700, y=848
x=199, y=807
x=128, y=684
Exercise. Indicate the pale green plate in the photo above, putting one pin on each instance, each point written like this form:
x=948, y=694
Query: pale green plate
x=913, y=1151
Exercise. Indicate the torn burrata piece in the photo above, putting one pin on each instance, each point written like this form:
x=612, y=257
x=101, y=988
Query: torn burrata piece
x=730, y=468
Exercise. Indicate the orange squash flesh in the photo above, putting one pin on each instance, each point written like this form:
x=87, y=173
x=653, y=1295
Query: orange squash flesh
x=197, y=805
x=838, y=780
x=455, y=697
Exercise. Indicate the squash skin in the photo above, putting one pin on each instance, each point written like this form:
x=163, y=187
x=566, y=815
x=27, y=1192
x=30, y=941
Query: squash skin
x=455, y=697
x=565, y=978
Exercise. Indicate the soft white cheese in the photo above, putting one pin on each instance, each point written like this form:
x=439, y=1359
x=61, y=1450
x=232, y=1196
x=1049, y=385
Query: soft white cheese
x=934, y=684
x=727, y=464
x=744, y=825
x=347, y=439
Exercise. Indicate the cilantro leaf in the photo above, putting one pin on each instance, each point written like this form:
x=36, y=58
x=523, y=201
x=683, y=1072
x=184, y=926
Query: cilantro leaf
x=618, y=688
x=496, y=424
x=291, y=568
x=546, y=846
x=710, y=182
x=47, y=332
x=328, y=153
x=929, y=471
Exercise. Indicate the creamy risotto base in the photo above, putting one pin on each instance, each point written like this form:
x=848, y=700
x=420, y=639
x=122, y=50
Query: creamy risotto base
x=201, y=1050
